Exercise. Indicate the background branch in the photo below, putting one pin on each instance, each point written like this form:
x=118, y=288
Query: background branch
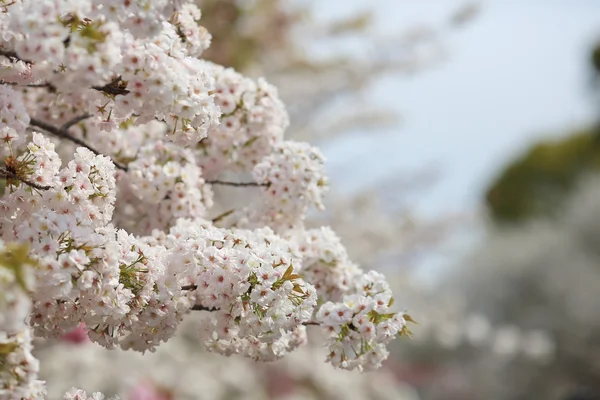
x=64, y=134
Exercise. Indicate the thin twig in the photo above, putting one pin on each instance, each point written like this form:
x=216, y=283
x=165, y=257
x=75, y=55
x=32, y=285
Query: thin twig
x=64, y=134
x=6, y=173
x=238, y=184
x=189, y=287
x=221, y=216
x=197, y=307
x=41, y=85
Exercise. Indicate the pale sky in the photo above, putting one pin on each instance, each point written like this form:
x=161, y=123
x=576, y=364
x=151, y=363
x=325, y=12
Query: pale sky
x=516, y=73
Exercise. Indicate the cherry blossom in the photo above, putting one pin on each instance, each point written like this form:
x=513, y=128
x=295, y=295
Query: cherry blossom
x=115, y=135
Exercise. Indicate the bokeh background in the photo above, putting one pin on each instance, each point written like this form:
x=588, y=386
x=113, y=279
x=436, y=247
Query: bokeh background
x=463, y=144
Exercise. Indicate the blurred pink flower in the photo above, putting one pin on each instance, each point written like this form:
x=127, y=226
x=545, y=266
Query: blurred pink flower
x=76, y=336
x=147, y=390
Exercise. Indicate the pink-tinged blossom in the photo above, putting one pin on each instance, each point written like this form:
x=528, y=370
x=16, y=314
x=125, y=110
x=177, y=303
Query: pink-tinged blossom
x=112, y=213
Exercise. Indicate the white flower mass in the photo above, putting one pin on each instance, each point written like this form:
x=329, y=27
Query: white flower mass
x=113, y=137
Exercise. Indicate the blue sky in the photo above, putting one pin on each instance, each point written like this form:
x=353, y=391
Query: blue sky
x=515, y=74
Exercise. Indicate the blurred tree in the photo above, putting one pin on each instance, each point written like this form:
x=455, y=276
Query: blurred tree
x=595, y=59
x=244, y=32
x=537, y=183
x=323, y=91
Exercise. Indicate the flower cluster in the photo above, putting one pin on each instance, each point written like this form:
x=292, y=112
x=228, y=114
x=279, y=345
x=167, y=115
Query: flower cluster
x=249, y=280
x=166, y=86
x=111, y=198
x=78, y=394
x=163, y=183
x=14, y=117
x=295, y=175
x=18, y=367
x=253, y=123
x=63, y=42
x=96, y=52
x=362, y=324
x=326, y=262
x=294, y=181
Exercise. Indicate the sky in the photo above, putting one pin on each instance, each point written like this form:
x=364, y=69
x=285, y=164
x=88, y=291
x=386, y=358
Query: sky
x=517, y=73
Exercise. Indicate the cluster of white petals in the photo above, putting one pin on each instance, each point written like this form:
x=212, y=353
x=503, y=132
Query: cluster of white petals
x=114, y=134
x=326, y=262
x=14, y=117
x=362, y=324
x=252, y=124
x=78, y=394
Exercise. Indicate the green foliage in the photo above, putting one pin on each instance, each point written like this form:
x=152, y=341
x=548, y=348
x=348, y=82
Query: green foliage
x=595, y=58
x=15, y=258
x=538, y=183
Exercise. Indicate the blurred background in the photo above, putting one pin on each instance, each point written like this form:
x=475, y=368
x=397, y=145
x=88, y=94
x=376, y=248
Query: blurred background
x=463, y=145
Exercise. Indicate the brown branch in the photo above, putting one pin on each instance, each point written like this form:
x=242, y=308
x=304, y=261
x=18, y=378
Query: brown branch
x=64, y=134
x=8, y=174
x=222, y=215
x=41, y=85
x=114, y=88
x=238, y=184
x=197, y=307
x=13, y=56
x=189, y=287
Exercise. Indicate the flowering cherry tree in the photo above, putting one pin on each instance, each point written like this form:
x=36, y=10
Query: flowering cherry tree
x=113, y=135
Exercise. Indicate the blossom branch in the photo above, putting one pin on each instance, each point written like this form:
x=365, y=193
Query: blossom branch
x=8, y=174
x=198, y=307
x=114, y=88
x=63, y=133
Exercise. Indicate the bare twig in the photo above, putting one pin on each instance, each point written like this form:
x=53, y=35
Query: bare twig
x=238, y=184
x=197, y=307
x=221, y=216
x=189, y=287
x=8, y=174
x=64, y=134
